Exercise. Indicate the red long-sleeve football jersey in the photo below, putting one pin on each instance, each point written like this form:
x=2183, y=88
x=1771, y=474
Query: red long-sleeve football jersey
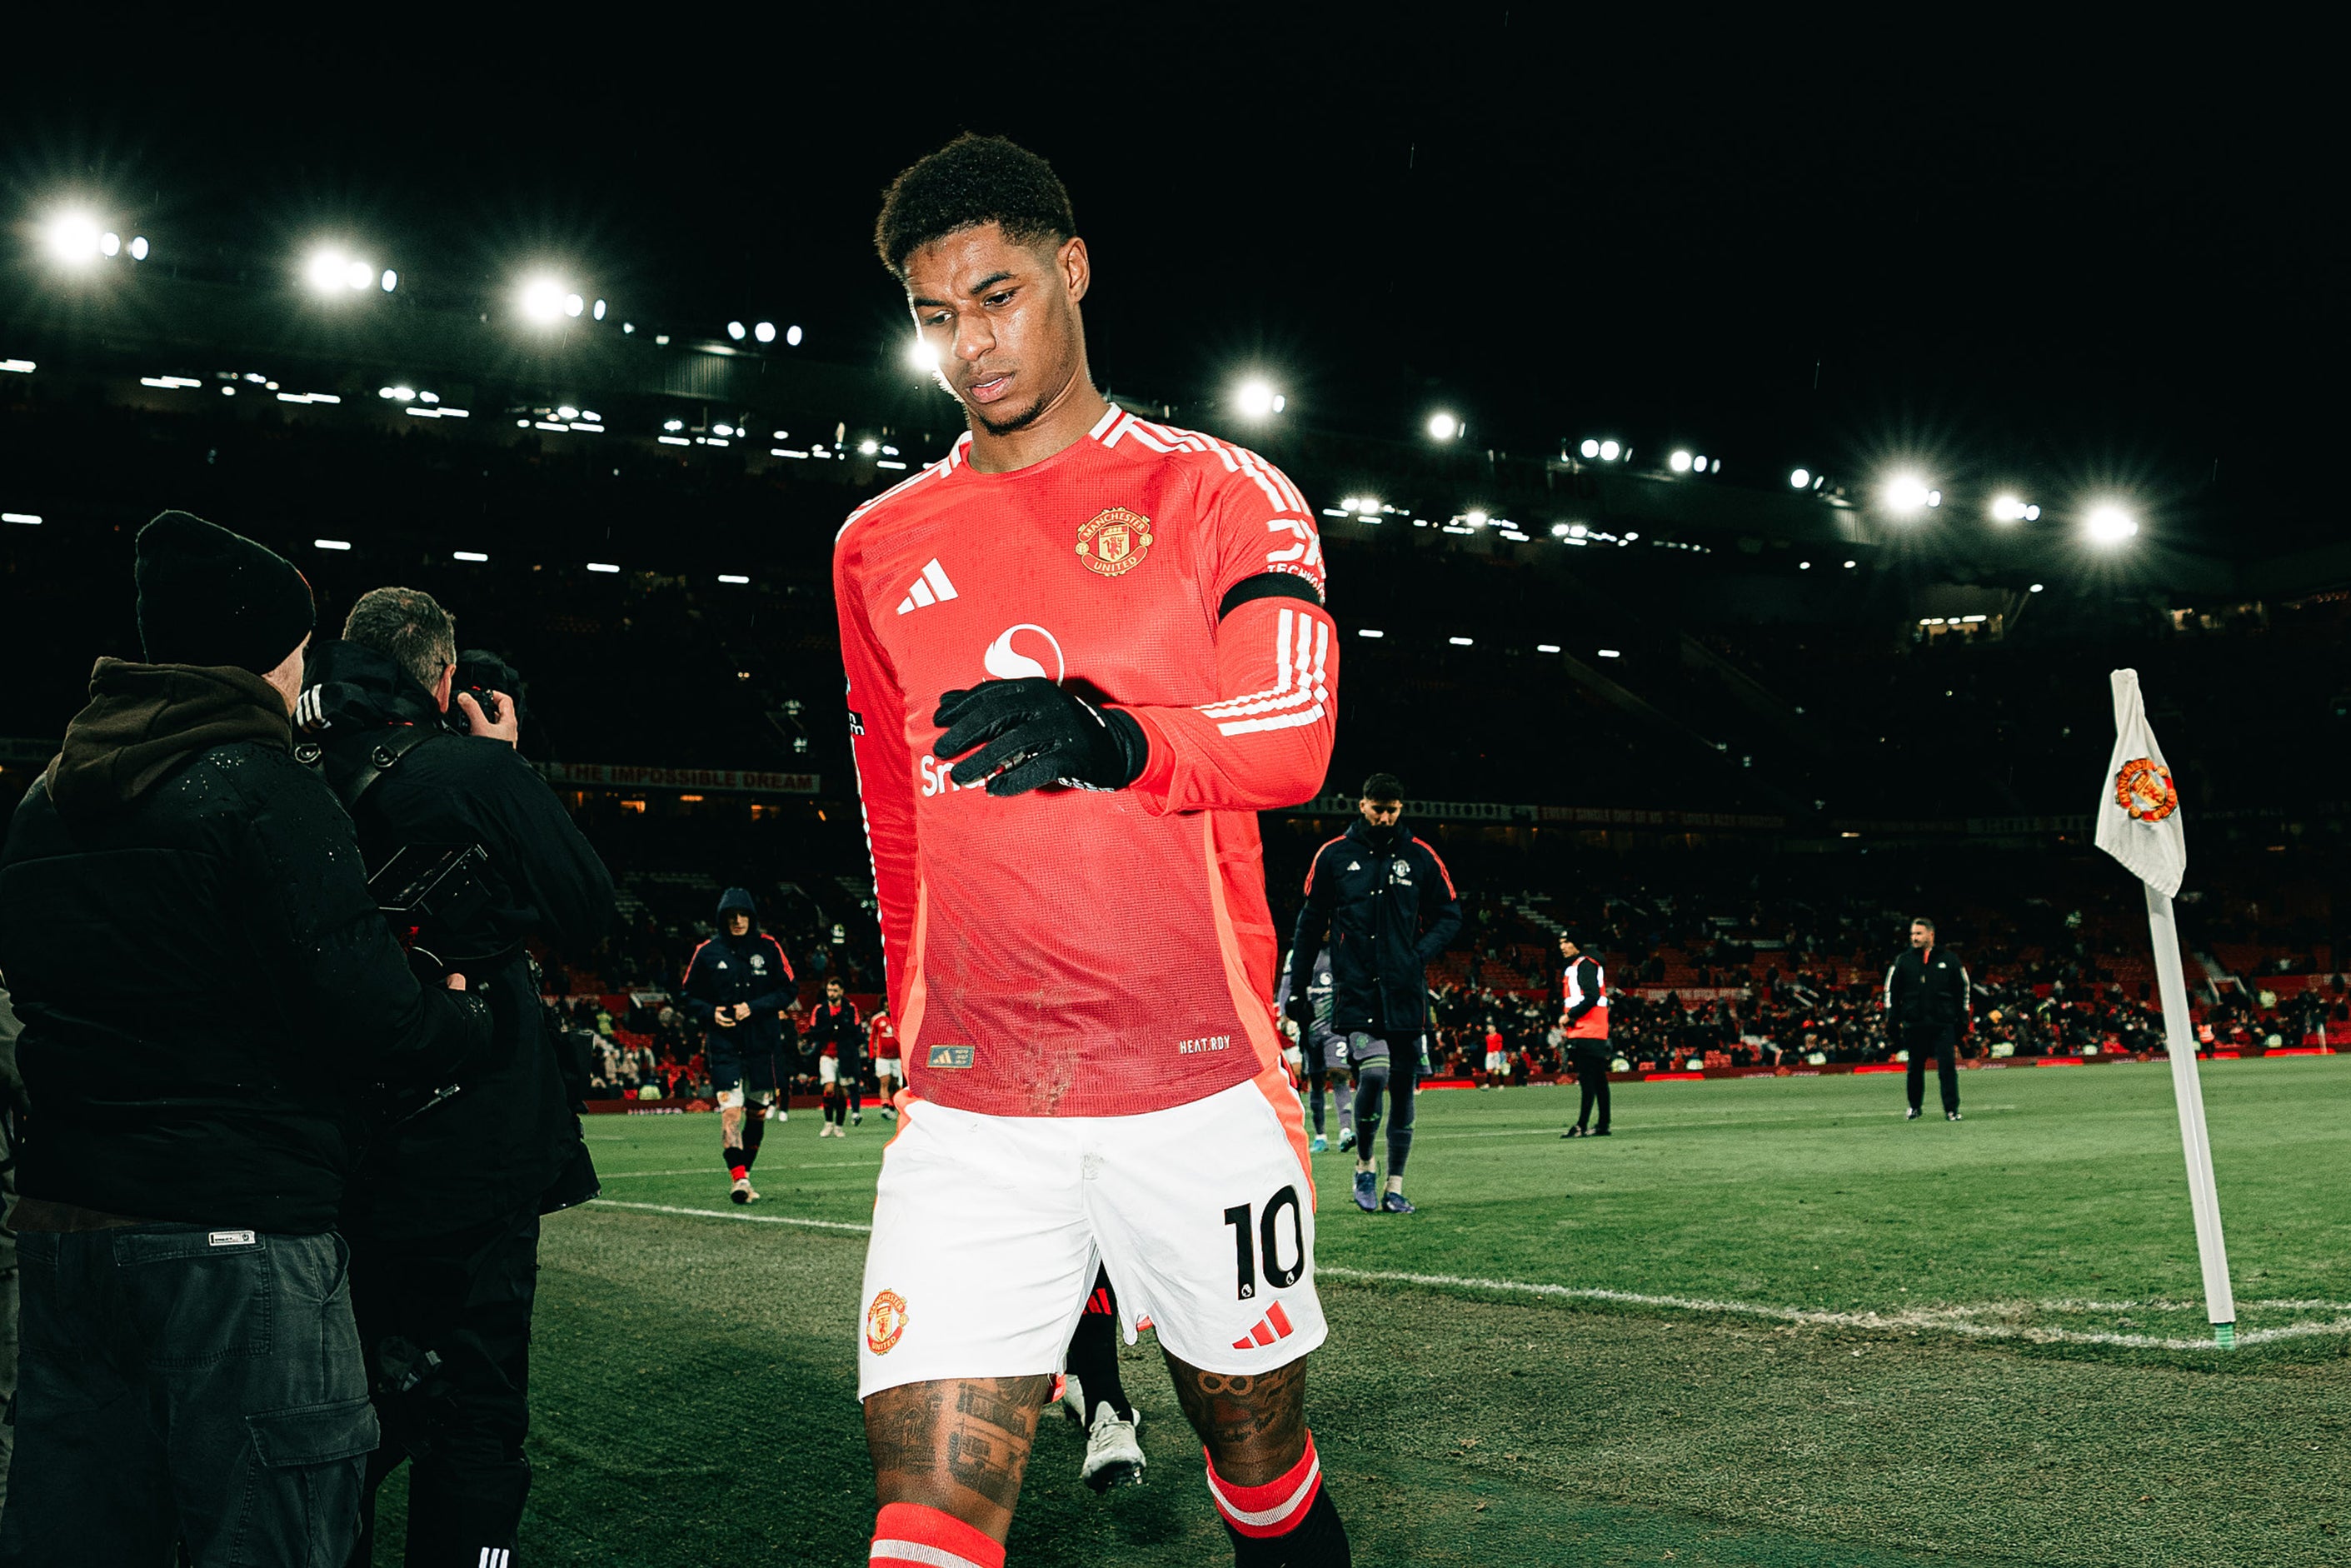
x=1073, y=952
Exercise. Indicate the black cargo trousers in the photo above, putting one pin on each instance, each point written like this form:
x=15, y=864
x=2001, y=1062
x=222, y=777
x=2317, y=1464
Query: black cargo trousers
x=446, y=1323
x=178, y=1382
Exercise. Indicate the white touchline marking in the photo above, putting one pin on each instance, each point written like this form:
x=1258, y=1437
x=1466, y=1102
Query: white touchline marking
x=724, y=1214
x=1722, y=1120
x=1951, y=1319
x=706, y=1170
x=1957, y=1319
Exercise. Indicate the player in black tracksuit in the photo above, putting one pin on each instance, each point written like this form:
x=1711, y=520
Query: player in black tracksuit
x=1387, y=904
x=737, y=986
x=1928, y=1005
x=834, y=1025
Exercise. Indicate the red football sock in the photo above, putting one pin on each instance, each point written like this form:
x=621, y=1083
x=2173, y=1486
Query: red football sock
x=908, y=1535
x=1276, y=1508
x=739, y=1172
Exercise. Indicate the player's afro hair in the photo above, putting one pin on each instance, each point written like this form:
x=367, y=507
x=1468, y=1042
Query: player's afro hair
x=971, y=180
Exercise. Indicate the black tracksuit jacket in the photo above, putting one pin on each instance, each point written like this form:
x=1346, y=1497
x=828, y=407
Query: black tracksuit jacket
x=750, y=968
x=206, y=987
x=1929, y=988
x=511, y=1136
x=1387, y=905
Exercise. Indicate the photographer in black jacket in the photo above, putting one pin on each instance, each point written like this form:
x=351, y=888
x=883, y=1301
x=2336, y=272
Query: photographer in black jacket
x=190, y=1365
x=1388, y=907
x=1928, y=1005
x=445, y=1220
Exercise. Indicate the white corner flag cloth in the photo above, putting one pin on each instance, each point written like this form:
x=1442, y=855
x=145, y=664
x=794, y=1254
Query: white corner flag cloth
x=2138, y=816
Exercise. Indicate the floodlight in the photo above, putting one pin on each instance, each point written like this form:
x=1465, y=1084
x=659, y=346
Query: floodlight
x=868, y=446
x=542, y=299
x=2008, y=509
x=765, y=331
x=110, y=244
x=735, y=331
x=1699, y=464
x=1256, y=400
x=1609, y=451
x=1848, y=566
x=2034, y=589
x=1368, y=631
x=357, y=275
x=597, y=310
x=603, y=566
x=138, y=248
x=792, y=337
x=920, y=354
x=1444, y=427
x=1905, y=494
x=1367, y=504
x=573, y=305
x=2031, y=514
x=1799, y=479
x=1680, y=462
x=73, y=238
x=325, y=269
x=567, y=412
x=1803, y=565
x=1611, y=654
x=1546, y=647
x=2111, y=525
x=1280, y=402
x=390, y=280
x=1590, y=448
x=1577, y=530
x=1934, y=497
x=1462, y=642
x=1475, y=517
x=1559, y=531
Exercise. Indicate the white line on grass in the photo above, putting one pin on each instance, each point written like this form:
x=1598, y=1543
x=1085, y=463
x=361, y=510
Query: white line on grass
x=706, y=1170
x=734, y=1214
x=1958, y=1320
x=1949, y=1320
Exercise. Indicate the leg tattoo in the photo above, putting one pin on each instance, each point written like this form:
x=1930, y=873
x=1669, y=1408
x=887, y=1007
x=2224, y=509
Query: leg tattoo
x=959, y=1446
x=1254, y=1426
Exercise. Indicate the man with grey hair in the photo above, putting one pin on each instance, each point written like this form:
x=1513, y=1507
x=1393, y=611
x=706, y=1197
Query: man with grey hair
x=444, y=1222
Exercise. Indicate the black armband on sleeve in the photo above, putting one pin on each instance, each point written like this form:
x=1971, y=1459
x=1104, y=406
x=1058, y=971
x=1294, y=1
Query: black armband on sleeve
x=1267, y=585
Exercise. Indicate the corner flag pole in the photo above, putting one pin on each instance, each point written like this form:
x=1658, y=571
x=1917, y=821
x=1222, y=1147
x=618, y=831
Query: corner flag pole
x=2139, y=824
x=2187, y=1089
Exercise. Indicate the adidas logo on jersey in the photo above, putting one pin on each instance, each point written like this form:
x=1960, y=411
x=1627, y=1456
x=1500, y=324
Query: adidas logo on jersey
x=929, y=588
x=1273, y=1326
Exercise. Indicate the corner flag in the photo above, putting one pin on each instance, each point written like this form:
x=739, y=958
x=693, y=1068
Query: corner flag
x=2139, y=824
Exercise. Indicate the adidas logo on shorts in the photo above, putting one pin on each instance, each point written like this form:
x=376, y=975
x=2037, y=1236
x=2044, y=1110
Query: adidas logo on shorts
x=1273, y=1326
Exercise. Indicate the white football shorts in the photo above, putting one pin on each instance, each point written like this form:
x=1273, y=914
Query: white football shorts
x=828, y=1069
x=1498, y=1061
x=987, y=1231
x=886, y=1068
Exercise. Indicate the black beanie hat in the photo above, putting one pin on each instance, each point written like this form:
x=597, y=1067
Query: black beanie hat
x=207, y=596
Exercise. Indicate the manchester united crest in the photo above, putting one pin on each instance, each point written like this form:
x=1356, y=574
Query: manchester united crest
x=2144, y=789
x=885, y=1320
x=1114, y=542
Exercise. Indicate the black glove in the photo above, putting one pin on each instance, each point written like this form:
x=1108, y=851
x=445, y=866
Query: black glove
x=1298, y=1010
x=1037, y=733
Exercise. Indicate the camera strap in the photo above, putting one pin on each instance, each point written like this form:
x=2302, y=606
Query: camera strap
x=352, y=776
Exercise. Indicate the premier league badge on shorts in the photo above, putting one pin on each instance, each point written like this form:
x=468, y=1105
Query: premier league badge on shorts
x=885, y=1320
x=1114, y=542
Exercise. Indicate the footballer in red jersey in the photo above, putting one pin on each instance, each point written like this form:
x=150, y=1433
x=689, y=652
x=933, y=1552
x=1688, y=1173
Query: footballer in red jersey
x=882, y=1049
x=1083, y=651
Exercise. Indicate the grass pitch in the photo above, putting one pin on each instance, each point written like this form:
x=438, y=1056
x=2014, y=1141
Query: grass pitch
x=1768, y=1322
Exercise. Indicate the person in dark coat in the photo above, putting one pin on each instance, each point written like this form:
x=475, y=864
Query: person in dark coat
x=1386, y=903
x=189, y=1363
x=739, y=985
x=1928, y=1005
x=445, y=1221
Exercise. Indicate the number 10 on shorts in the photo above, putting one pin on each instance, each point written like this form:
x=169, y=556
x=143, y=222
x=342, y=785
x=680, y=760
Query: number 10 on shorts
x=1267, y=1232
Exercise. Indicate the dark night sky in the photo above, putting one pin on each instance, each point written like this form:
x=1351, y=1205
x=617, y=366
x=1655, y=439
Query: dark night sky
x=2017, y=260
